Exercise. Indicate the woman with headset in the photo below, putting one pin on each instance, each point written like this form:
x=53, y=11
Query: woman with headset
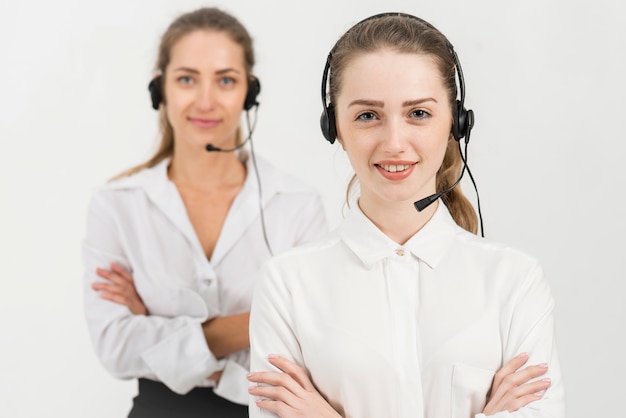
x=173, y=246
x=402, y=311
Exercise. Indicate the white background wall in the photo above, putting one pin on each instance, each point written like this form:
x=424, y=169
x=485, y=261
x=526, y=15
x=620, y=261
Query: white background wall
x=545, y=79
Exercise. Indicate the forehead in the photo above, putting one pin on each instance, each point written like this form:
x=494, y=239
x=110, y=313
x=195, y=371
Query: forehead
x=202, y=48
x=387, y=73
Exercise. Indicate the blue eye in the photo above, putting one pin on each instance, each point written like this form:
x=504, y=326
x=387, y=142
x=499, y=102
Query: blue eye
x=185, y=79
x=227, y=81
x=366, y=116
x=420, y=114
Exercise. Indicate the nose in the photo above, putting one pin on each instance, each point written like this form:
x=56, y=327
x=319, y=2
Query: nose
x=395, y=136
x=205, y=96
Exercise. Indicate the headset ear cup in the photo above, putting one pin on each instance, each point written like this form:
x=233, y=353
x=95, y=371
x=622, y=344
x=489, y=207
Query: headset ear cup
x=155, y=92
x=327, y=123
x=254, y=88
x=459, y=123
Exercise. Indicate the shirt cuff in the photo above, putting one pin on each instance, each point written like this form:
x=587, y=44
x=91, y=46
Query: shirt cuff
x=182, y=360
x=233, y=384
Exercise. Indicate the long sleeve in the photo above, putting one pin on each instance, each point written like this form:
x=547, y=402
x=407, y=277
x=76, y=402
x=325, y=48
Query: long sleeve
x=530, y=328
x=375, y=323
x=141, y=223
x=171, y=349
x=271, y=328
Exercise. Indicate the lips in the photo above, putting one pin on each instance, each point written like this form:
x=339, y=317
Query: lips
x=204, y=123
x=394, y=168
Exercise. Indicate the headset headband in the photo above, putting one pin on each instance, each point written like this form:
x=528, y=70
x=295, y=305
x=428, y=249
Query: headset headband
x=463, y=120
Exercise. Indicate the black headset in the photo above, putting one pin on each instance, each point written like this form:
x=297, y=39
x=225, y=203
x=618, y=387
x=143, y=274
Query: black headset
x=463, y=119
x=156, y=87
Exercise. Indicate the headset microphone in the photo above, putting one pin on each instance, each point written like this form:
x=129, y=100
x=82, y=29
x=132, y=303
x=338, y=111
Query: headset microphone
x=211, y=147
x=422, y=204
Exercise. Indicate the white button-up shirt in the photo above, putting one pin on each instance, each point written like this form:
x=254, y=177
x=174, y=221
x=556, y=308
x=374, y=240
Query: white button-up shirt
x=411, y=331
x=141, y=223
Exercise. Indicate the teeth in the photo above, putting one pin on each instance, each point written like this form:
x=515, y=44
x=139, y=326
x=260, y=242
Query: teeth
x=393, y=168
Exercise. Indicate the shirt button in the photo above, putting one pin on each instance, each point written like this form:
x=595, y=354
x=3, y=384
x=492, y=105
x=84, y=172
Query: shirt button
x=400, y=252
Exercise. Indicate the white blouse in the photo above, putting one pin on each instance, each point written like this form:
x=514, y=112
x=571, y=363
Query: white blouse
x=141, y=223
x=415, y=331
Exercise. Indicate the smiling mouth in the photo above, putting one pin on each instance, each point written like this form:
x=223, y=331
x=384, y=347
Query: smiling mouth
x=394, y=168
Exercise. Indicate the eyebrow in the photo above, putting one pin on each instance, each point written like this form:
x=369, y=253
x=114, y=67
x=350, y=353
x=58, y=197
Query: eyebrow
x=374, y=103
x=194, y=71
x=419, y=101
x=187, y=70
x=378, y=103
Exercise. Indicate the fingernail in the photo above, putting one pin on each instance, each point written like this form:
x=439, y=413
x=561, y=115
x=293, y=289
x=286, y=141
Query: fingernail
x=520, y=355
x=272, y=356
x=543, y=365
x=547, y=380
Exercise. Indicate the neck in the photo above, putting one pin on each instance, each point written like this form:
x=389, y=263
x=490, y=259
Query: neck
x=398, y=220
x=206, y=170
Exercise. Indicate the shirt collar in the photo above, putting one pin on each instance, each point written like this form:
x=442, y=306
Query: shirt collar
x=371, y=245
x=245, y=210
x=154, y=180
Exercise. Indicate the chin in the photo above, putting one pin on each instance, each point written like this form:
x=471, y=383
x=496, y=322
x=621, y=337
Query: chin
x=403, y=196
x=396, y=198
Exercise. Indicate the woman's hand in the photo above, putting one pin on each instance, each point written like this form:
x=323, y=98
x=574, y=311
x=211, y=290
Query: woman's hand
x=227, y=334
x=120, y=288
x=511, y=389
x=290, y=393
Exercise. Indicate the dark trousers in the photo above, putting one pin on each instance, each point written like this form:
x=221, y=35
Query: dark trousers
x=155, y=400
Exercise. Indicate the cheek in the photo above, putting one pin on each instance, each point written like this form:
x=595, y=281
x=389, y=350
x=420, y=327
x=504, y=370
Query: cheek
x=444, y=139
x=235, y=102
x=178, y=101
x=433, y=153
x=179, y=95
x=359, y=158
x=172, y=113
x=440, y=151
x=175, y=101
